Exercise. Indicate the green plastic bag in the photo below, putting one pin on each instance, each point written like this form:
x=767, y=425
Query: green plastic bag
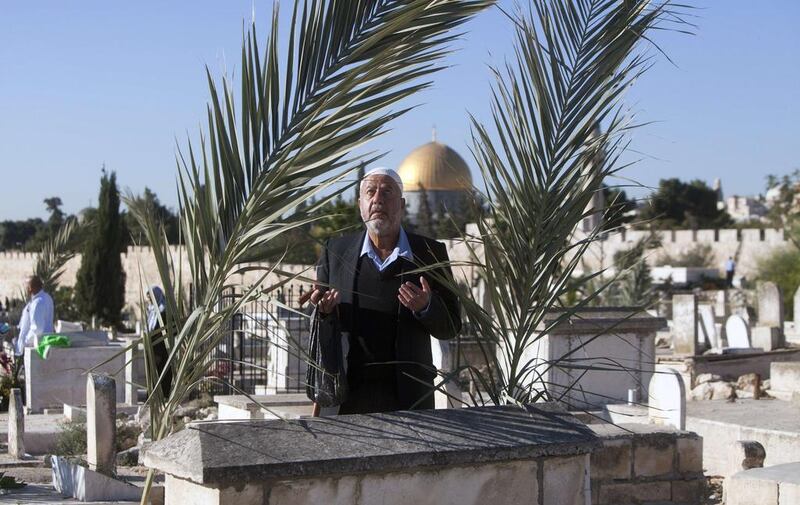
x=48, y=341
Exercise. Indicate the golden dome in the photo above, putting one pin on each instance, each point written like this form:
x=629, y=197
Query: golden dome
x=436, y=167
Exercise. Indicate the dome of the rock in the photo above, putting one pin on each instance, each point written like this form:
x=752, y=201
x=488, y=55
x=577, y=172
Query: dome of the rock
x=435, y=167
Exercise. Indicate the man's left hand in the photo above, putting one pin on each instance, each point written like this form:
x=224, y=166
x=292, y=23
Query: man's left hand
x=415, y=298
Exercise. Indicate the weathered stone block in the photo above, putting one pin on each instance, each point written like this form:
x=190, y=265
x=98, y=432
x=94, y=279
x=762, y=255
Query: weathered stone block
x=766, y=337
x=684, y=321
x=788, y=493
x=101, y=424
x=635, y=493
x=688, y=491
x=690, y=454
x=785, y=376
x=613, y=460
x=16, y=424
x=653, y=455
x=564, y=480
x=484, y=455
x=751, y=492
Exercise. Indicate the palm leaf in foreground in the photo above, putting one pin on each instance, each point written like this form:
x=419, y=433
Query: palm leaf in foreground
x=54, y=256
x=301, y=115
x=541, y=163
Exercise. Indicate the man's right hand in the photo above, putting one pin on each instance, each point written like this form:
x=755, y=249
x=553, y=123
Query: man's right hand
x=326, y=301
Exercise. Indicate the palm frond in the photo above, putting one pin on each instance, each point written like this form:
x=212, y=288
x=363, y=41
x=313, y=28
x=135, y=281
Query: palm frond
x=302, y=113
x=559, y=127
x=54, y=255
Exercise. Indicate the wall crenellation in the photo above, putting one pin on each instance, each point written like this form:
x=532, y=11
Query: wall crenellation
x=747, y=246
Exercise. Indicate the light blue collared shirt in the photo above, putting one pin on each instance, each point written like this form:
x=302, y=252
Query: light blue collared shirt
x=401, y=250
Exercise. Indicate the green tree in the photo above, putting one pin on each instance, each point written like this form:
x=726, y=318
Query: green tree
x=618, y=208
x=56, y=218
x=15, y=235
x=424, y=221
x=162, y=214
x=678, y=204
x=784, y=211
x=783, y=268
x=100, y=287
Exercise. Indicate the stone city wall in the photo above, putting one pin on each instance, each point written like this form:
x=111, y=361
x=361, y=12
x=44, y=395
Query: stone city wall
x=747, y=246
x=139, y=265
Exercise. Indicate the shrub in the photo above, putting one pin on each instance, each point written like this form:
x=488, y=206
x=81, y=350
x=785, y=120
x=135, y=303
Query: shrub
x=701, y=256
x=71, y=440
x=783, y=268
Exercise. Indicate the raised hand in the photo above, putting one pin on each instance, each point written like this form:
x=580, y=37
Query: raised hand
x=326, y=301
x=413, y=297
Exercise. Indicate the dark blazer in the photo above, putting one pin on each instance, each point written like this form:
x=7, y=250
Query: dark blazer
x=415, y=378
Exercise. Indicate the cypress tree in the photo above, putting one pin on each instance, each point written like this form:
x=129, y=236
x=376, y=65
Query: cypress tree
x=424, y=220
x=100, y=286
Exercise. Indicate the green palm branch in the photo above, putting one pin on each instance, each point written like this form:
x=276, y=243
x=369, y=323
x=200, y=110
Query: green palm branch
x=302, y=113
x=542, y=160
x=54, y=255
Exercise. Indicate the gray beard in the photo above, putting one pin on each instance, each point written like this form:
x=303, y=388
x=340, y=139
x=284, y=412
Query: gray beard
x=380, y=227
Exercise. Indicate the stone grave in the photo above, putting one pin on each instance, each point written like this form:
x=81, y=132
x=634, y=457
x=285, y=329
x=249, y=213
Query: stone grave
x=61, y=378
x=16, y=425
x=667, y=395
x=448, y=394
x=738, y=332
x=684, y=324
x=796, y=304
x=785, y=380
x=768, y=334
x=96, y=483
x=707, y=329
x=721, y=303
x=286, y=370
x=467, y=456
x=101, y=427
x=773, y=485
x=611, y=350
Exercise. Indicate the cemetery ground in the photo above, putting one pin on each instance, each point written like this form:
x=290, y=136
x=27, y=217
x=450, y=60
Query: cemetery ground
x=705, y=420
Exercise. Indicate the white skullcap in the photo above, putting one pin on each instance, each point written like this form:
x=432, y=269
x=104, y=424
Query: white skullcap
x=388, y=172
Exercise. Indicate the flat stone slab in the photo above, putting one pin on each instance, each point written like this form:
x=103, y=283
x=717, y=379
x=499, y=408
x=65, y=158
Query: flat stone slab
x=255, y=401
x=610, y=320
x=46, y=495
x=774, y=415
x=228, y=452
x=771, y=485
x=788, y=472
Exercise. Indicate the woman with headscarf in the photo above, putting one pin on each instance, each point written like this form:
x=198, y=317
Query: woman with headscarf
x=156, y=316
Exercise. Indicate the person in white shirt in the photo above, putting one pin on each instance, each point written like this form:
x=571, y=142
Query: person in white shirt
x=730, y=271
x=36, y=319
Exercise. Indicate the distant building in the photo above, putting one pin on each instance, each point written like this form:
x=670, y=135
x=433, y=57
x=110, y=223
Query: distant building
x=438, y=171
x=718, y=189
x=745, y=208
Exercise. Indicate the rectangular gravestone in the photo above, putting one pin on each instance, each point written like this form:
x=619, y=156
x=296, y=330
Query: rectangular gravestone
x=448, y=394
x=707, y=328
x=721, y=303
x=769, y=332
x=101, y=424
x=16, y=425
x=286, y=371
x=770, y=305
x=684, y=324
x=667, y=399
x=797, y=310
x=738, y=332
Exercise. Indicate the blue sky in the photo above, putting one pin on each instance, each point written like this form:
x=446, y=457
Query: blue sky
x=93, y=82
